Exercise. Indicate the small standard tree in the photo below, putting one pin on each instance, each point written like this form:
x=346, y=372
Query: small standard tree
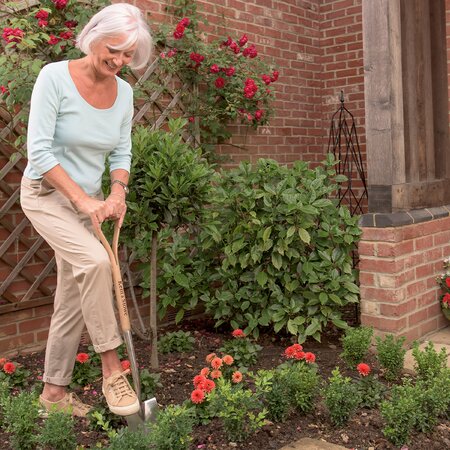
x=170, y=183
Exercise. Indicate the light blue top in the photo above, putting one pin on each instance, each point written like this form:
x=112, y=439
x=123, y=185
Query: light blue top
x=65, y=129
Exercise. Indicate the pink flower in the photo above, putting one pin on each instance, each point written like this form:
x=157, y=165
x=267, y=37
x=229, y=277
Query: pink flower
x=53, y=40
x=12, y=34
x=363, y=369
x=41, y=14
x=210, y=357
x=214, y=68
x=3, y=90
x=238, y=333
x=236, y=377
x=42, y=23
x=2, y=360
x=216, y=363
x=230, y=71
x=216, y=374
x=219, y=83
x=172, y=52
x=70, y=23
x=197, y=396
x=209, y=385
x=9, y=368
x=185, y=22
x=274, y=77
x=66, y=34
x=199, y=380
x=250, y=51
x=204, y=371
x=310, y=357
x=60, y=4
x=228, y=360
x=125, y=364
x=258, y=114
x=162, y=55
x=82, y=357
x=191, y=119
x=243, y=40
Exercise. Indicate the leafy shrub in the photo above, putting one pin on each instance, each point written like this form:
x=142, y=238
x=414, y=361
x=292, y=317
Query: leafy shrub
x=391, y=355
x=58, y=432
x=429, y=363
x=371, y=391
x=149, y=383
x=244, y=351
x=399, y=413
x=238, y=408
x=341, y=398
x=283, y=248
x=276, y=395
x=173, y=428
x=20, y=414
x=356, y=344
x=176, y=341
x=127, y=439
x=303, y=382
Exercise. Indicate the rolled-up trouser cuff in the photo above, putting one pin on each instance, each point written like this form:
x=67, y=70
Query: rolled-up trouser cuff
x=57, y=381
x=101, y=348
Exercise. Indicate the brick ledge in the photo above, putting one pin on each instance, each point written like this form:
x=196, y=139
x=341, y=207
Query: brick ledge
x=399, y=219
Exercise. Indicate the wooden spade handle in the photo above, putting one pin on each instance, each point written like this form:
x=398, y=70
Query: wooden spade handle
x=117, y=277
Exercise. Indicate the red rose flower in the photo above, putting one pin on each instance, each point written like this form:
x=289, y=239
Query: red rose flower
x=214, y=68
x=172, y=52
x=70, y=23
x=125, y=364
x=12, y=34
x=243, y=40
x=258, y=114
x=42, y=23
x=191, y=119
x=184, y=22
x=238, y=333
x=274, y=77
x=41, y=14
x=446, y=299
x=220, y=82
x=230, y=71
x=3, y=90
x=53, y=40
x=82, y=357
x=197, y=396
x=197, y=58
x=228, y=42
x=250, y=51
x=66, y=34
x=363, y=369
x=178, y=34
x=310, y=357
x=236, y=377
x=9, y=368
x=266, y=79
x=60, y=4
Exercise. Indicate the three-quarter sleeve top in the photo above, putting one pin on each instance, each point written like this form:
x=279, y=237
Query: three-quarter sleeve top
x=65, y=129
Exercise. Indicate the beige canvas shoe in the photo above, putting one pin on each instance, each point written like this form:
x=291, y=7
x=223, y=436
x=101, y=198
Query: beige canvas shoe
x=119, y=395
x=70, y=404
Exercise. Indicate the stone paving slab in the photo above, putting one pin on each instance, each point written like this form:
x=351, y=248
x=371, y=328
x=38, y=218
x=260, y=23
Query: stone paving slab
x=440, y=339
x=312, y=444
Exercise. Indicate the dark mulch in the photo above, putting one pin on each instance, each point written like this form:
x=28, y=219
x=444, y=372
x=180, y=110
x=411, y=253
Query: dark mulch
x=363, y=432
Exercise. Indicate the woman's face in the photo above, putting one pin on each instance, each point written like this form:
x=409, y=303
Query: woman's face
x=107, y=60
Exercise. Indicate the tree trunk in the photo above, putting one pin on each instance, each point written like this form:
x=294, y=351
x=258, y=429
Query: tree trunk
x=154, y=363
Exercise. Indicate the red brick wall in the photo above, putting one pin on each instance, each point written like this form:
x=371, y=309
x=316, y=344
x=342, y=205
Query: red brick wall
x=398, y=269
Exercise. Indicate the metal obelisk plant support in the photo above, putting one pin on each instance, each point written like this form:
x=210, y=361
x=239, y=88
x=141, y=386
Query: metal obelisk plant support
x=343, y=142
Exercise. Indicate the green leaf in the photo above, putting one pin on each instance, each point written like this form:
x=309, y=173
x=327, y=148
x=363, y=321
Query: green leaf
x=266, y=233
x=277, y=260
x=312, y=328
x=352, y=287
x=340, y=323
x=304, y=235
x=179, y=316
x=261, y=278
x=292, y=327
x=182, y=280
x=290, y=231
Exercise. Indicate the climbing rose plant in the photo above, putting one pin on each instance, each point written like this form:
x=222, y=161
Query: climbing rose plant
x=33, y=37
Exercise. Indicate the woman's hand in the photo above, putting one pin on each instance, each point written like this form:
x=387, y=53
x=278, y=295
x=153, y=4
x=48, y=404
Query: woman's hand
x=97, y=210
x=117, y=202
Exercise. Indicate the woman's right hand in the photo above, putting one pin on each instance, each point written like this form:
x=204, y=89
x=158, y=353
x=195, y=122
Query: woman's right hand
x=97, y=210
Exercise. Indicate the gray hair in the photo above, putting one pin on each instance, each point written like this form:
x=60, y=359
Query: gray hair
x=114, y=20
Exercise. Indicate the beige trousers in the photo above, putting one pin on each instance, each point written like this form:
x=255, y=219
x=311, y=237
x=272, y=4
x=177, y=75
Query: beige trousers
x=84, y=282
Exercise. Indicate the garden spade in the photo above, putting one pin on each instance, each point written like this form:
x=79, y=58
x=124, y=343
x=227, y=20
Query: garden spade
x=148, y=408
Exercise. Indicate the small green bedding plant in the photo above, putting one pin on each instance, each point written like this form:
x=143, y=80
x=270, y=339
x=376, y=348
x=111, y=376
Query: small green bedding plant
x=391, y=355
x=371, y=390
x=84, y=371
x=355, y=344
x=176, y=341
x=13, y=374
x=429, y=364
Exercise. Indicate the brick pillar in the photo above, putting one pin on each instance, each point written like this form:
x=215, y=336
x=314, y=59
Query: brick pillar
x=400, y=256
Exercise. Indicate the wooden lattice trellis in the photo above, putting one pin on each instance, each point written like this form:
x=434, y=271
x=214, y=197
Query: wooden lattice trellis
x=27, y=265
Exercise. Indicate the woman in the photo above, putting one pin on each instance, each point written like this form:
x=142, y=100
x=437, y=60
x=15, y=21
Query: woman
x=80, y=115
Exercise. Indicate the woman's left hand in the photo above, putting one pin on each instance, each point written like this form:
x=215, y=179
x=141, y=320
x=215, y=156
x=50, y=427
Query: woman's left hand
x=119, y=206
